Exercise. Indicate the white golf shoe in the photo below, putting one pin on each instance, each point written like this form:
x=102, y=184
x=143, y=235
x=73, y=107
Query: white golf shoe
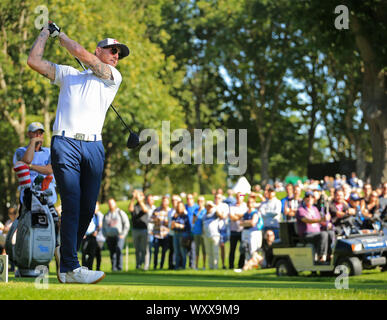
x=84, y=275
x=60, y=275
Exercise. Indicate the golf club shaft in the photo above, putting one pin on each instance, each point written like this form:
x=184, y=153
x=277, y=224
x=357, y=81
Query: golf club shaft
x=114, y=109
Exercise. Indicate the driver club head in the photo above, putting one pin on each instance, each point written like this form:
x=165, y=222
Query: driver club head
x=133, y=141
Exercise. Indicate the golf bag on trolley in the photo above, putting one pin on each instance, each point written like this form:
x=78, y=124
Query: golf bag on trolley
x=32, y=238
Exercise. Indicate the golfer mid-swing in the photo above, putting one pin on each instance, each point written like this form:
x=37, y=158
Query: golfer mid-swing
x=77, y=152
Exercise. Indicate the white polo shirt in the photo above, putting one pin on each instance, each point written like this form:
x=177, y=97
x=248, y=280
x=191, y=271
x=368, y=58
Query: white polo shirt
x=83, y=99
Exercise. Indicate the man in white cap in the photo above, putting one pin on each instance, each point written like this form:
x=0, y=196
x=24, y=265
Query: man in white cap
x=77, y=151
x=36, y=157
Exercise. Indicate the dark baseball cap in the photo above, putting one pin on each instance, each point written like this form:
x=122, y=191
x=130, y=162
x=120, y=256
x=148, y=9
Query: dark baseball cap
x=110, y=42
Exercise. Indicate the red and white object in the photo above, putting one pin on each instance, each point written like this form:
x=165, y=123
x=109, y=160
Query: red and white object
x=23, y=175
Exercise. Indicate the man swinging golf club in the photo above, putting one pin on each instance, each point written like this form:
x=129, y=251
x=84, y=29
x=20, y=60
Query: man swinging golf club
x=77, y=152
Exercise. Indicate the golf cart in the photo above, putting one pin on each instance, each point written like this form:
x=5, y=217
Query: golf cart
x=356, y=249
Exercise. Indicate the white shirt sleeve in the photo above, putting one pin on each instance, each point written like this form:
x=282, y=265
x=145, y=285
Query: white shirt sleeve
x=61, y=71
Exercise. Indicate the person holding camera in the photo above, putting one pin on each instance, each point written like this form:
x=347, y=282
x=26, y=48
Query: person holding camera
x=140, y=222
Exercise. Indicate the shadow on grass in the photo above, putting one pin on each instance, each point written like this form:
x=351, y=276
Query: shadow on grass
x=262, y=279
x=267, y=281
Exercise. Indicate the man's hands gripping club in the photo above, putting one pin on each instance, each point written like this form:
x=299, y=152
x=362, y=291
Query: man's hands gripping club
x=53, y=29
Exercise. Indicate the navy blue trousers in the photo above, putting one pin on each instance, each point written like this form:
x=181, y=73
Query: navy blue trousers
x=78, y=167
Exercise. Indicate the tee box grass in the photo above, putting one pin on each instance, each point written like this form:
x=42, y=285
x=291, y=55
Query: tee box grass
x=197, y=285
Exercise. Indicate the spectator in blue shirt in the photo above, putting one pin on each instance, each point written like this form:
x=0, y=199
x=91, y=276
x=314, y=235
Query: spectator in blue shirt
x=230, y=200
x=191, y=208
x=197, y=232
x=182, y=228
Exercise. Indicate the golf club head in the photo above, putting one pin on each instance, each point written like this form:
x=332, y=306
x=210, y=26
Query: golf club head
x=133, y=141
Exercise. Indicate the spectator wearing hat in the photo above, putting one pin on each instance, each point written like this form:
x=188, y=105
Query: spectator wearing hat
x=355, y=209
x=211, y=234
x=36, y=157
x=33, y=161
x=309, y=227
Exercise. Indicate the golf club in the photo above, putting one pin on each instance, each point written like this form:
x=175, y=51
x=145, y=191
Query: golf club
x=133, y=140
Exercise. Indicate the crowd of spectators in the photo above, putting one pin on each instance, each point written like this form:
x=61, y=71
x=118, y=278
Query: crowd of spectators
x=191, y=232
x=185, y=230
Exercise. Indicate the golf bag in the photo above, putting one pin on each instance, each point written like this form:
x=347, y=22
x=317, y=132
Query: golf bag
x=31, y=240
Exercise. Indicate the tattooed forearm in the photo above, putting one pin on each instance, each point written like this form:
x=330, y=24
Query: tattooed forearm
x=35, y=60
x=37, y=48
x=101, y=70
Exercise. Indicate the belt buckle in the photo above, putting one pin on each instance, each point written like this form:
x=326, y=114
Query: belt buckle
x=80, y=136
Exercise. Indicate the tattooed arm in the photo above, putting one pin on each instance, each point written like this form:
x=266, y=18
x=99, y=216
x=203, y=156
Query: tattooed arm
x=100, y=69
x=35, y=58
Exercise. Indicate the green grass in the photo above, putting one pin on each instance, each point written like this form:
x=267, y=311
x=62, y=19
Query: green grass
x=198, y=285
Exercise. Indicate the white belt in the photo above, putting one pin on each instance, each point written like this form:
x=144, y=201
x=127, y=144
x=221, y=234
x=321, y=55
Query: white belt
x=78, y=136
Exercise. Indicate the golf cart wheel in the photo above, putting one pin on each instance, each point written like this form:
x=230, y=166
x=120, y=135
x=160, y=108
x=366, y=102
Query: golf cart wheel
x=285, y=268
x=353, y=264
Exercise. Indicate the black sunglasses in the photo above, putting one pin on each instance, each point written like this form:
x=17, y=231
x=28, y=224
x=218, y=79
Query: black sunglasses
x=113, y=50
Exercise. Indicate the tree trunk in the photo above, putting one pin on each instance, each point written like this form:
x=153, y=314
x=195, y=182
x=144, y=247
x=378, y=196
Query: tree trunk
x=360, y=163
x=378, y=130
x=265, y=164
x=374, y=103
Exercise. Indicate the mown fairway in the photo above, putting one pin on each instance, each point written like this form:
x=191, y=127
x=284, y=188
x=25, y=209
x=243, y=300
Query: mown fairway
x=198, y=285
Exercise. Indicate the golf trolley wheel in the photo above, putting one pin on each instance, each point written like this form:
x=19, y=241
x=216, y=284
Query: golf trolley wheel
x=353, y=264
x=285, y=268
